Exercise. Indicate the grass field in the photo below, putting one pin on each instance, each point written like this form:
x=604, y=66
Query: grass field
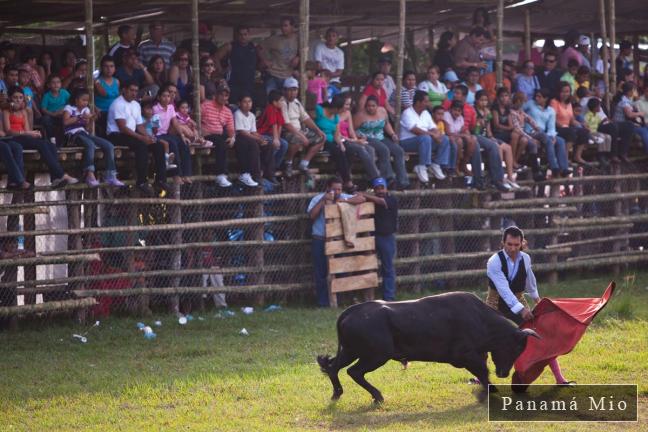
x=206, y=376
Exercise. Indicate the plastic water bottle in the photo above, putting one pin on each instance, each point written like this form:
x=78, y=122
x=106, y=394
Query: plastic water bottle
x=21, y=238
x=148, y=333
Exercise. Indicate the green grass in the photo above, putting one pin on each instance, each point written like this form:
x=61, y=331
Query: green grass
x=205, y=376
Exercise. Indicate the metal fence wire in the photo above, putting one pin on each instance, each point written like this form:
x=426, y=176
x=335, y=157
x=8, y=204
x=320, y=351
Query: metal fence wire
x=202, y=246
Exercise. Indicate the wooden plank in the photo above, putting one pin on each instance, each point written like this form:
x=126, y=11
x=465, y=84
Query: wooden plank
x=334, y=227
x=332, y=211
x=352, y=263
x=352, y=283
x=362, y=244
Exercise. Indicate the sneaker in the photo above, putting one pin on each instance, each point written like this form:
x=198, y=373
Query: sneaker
x=247, y=180
x=421, y=173
x=207, y=143
x=222, y=181
x=512, y=184
x=288, y=170
x=437, y=172
x=114, y=182
x=502, y=187
x=70, y=180
x=303, y=167
x=169, y=161
x=92, y=182
x=59, y=183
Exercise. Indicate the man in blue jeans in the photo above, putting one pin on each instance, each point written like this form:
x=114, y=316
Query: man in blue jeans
x=332, y=195
x=386, y=218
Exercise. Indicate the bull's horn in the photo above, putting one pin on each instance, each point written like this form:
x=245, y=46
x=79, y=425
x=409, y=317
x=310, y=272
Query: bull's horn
x=530, y=332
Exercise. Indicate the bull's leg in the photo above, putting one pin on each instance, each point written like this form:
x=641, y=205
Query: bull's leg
x=478, y=368
x=342, y=360
x=363, y=366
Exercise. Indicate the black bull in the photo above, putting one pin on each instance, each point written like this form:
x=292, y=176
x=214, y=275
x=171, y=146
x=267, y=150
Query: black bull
x=455, y=328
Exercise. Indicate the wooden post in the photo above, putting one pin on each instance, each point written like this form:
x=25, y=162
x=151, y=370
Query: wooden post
x=304, y=29
x=431, y=44
x=399, y=65
x=606, y=54
x=613, y=71
x=195, y=60
x=348, y=62
x=527, y=33
x=411, y=48
x=90, y=53
x=175, y=216
x=635, y=55
x=106, y=38
x=500, y=43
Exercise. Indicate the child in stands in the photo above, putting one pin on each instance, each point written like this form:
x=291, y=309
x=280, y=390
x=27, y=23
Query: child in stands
x=270, y=125
x=152, y=124
x=52, y=105
x=187, y=128
x=77, y=120
x=461, y=139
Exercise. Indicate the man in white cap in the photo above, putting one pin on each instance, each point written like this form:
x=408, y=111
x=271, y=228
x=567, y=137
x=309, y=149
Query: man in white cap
x=300, y=130
x=584, y=50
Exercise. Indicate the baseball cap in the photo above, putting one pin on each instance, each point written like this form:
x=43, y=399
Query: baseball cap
x=379, y=181
x=290, y=83
x=583, y=40
x=222, y=88
x=450, y=76
x=385, y=59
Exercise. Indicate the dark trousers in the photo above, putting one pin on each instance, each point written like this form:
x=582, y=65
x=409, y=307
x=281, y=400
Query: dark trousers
x=11, y=153
x=141, y=151
x=320, y=269
x=53, y=128
x=47, y=150
x=621, y=133
x=181, y=152
x=340, y=159
x=572, y=134
x=386, y=248
x=220, y=151
x=253, y=157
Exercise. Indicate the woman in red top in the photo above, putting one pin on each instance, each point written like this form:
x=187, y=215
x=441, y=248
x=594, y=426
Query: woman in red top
x=566, y=124
x=16, y=124
x=376, y=88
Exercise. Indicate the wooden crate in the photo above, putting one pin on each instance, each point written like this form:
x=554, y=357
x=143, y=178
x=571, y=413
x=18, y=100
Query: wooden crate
x=351, y=269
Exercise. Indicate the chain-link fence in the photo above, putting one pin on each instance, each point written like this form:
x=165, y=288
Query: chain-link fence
x=202, y=246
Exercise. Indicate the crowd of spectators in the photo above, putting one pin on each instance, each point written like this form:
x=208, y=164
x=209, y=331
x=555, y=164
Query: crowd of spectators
x=550, y=105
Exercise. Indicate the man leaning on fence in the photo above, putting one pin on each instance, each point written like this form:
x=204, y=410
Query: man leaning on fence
x=332, y=195
x=386, y=217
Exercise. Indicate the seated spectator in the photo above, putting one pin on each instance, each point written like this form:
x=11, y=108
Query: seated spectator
x=167, y=131
x=218, y=127
x=38, y=77
x=299, y=130
x=450, y=79
x=544, y=117
x=472, y=84
x=567, y=125
x=527, y=82
x=583, y=77
x=593, y=122
x=158, y=71
x=550, y=75
x=372, y=122
x=208, y=78
x=52, y=105
x=186, y=127
x=243, y=59
x=641, y=104
x=127, y=38
x=488, y=81
x=181, y=75
x=17, y=125
x=467, y=51
x=133, y=71
x=384, y=67
x=483, y=131
x=11, y=77
x=77, y=121
x=519, y=120
x=3, y=86
x=376, y=88
x=462, y=143
x=126, y=127
x=106, y=90
x=68, y=60
x=407, y=91
x=11, y=154
x=437, y=91
x=31, y=104
x=624, y=111
x=357, y=146
x=253, y=151
x=444, y=57
x=570, y=76
x=317, y=85
x=156, y=46
x=503, y=129
x=280, y=55
x=46, y=63
x=79, y=71
x=270, y=125
x=419, y=134
x=327, y=120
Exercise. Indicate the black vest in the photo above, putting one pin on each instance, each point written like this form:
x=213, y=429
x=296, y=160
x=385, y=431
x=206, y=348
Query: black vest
x=243, y=62
x=518, y=284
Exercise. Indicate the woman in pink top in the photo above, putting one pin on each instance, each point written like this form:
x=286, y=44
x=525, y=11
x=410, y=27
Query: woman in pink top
x=376, y=88
x=356, y=146
x=168, y=132
x=566, y=124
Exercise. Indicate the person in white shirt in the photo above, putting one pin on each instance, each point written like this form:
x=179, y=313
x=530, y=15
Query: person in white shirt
x=509, y=277
x=419, y=133
x=329, y=56
x=126, y=127
x=384, y=66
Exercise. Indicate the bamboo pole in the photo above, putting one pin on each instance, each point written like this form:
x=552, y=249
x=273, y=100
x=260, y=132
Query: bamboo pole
x=127, y=292
x=63, y=258
x=599, y=240
x=401, y=58
x=566, y=200
x=24, y=209
x=527, y=33
x=612, y=18
x=499, y=55
x=195, y=61
x=52, y=306
x=348, y=63
x=605, y=53
x=430, y=46
x=304, y=29
x=90, y=54
x=635, y=56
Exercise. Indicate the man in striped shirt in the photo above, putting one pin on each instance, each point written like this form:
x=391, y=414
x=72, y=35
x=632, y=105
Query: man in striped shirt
x=217, y=124
x=156, y=45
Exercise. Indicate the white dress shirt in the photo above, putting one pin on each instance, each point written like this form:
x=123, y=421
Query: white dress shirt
x=496, y=275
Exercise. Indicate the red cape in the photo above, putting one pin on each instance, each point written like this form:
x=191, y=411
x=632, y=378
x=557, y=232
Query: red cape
x=561, y=322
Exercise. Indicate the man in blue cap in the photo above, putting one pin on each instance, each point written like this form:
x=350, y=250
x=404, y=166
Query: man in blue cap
x=386, y=217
